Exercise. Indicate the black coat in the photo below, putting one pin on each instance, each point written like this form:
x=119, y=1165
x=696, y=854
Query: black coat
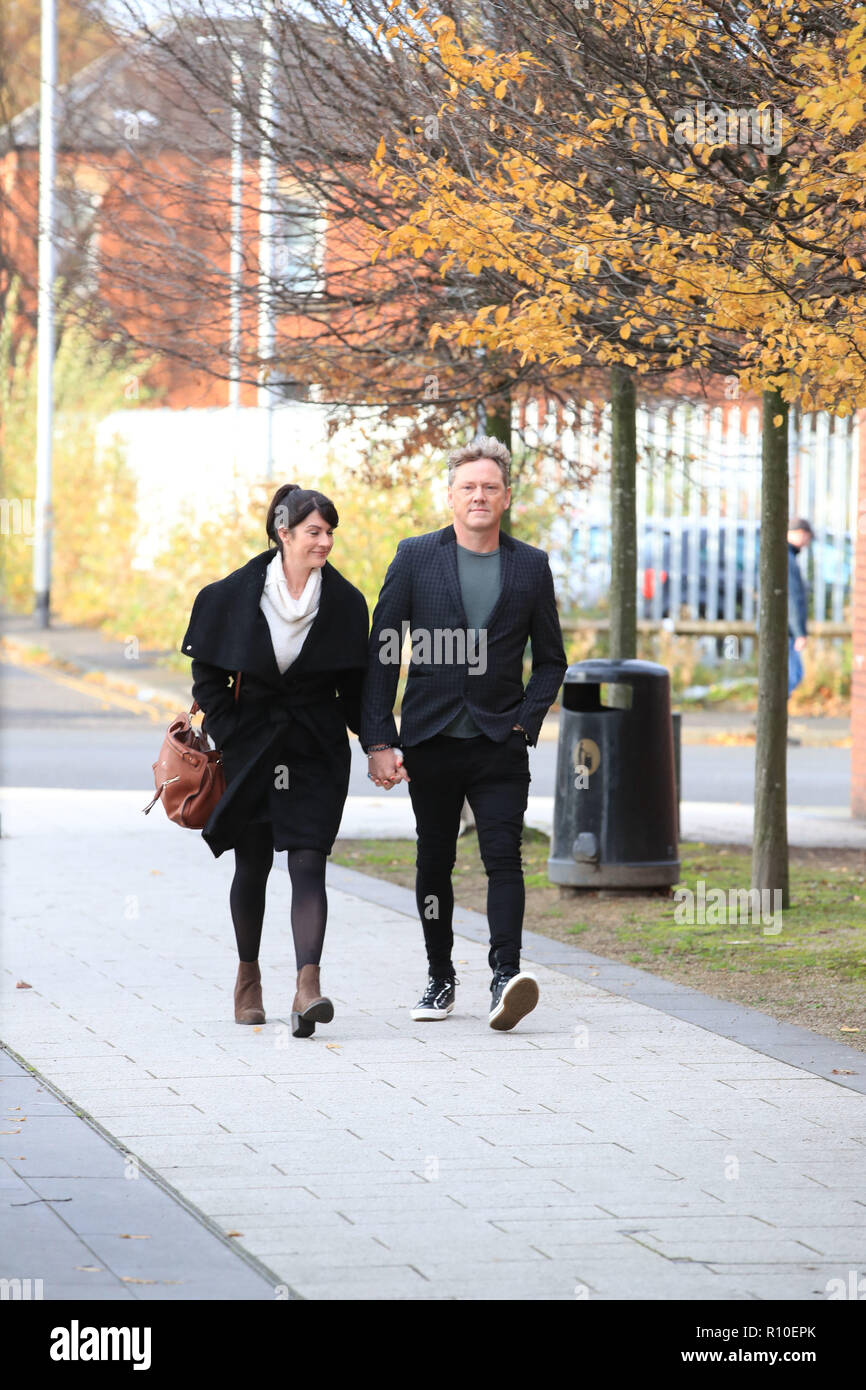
x=422, y=590
x=798, y=601
x=283, y=729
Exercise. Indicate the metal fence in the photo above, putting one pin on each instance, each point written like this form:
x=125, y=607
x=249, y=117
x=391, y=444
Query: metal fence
x=698, y=508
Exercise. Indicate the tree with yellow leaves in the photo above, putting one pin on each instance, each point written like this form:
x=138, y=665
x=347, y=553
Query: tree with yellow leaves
x=667, y=186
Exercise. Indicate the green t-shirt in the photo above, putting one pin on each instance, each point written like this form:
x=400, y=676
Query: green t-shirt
x=479, y=587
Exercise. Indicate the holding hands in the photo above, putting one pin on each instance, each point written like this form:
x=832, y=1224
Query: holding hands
x=386, y=768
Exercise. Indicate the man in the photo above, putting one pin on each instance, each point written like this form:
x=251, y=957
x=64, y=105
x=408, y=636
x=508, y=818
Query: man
x=799, y=536
x=471, y=596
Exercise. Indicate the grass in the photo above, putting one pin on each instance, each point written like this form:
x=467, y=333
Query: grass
x=812, y=972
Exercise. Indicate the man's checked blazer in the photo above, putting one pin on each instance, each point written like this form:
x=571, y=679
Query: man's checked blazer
x=422, y=590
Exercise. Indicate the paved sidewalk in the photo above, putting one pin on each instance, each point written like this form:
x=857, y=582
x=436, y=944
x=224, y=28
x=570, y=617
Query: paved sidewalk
x=605, y=1149
x=85, y=1220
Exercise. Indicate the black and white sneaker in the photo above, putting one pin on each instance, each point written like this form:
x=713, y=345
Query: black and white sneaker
x=437, y=1001
x=512, y=997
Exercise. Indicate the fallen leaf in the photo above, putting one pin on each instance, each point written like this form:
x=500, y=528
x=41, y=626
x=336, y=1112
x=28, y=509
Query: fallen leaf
x=10, y=1131
x=234, y=1233
x=258, y=1028
x=842, y=1071
x=90, y=1269
x=22, y=984
x=128, y=1279
x=128, y=1237
x=843, y=1028
x=156, y=871
x=333, y=1046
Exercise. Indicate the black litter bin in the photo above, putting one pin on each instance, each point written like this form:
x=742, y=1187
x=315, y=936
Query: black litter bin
x=615, y=807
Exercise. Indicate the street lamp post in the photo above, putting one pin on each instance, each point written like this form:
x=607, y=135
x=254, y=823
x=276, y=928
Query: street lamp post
x=267, y=180
x=45, y=319
x=236, y=251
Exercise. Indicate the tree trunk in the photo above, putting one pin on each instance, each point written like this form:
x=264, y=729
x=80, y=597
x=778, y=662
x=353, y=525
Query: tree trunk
x=498, y=410
x=770, y=840
x=623, y=463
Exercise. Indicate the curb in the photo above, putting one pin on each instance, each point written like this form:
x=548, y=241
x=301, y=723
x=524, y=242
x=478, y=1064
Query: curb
x=22, y=654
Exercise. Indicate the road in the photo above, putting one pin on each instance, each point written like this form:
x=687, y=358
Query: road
x=56, y=735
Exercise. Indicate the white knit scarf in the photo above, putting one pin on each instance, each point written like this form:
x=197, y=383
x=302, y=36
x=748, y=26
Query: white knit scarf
x=289, y=619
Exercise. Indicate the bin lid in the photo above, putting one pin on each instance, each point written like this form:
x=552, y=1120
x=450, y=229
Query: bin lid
x=601, y=671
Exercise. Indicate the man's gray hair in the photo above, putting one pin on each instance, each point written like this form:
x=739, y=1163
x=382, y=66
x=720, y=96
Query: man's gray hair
x=484, y=448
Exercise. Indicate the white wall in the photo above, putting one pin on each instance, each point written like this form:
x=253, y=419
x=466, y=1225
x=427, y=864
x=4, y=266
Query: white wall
x=180, y=458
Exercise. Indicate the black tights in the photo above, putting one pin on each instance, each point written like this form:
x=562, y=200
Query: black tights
x=254, y=857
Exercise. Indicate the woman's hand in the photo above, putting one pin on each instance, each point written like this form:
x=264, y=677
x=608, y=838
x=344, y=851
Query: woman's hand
x=386, y=768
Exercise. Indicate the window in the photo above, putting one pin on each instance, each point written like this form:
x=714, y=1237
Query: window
x=298, y=245
x=76, y=237
x=284, y=387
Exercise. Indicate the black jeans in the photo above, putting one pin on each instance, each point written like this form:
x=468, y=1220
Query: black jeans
x=494, y=779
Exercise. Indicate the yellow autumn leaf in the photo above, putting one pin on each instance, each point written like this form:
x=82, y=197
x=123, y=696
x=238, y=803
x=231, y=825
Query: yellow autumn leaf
x=777, y=420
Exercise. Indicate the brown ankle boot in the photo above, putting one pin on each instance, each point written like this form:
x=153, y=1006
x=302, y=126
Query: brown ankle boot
x=248, y=993
x=309, y=1006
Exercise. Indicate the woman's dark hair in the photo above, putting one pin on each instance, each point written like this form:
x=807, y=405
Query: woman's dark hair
x=291, y=504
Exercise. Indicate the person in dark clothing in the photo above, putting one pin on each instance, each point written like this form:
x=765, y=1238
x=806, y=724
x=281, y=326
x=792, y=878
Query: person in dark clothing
x=799, y=536
x=296, y=630
x=472, y=597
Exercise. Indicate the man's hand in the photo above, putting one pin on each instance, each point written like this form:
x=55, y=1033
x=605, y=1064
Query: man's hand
x=386, y=768
x=799, y=643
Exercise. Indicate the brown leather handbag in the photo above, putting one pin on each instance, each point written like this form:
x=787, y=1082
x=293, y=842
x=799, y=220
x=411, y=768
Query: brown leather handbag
x=188, y=774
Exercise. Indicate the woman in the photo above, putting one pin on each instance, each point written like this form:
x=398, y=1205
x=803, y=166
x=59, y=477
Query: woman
x=296, y=630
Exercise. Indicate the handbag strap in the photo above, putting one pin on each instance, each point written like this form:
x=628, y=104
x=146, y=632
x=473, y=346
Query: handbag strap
x=195, y=706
